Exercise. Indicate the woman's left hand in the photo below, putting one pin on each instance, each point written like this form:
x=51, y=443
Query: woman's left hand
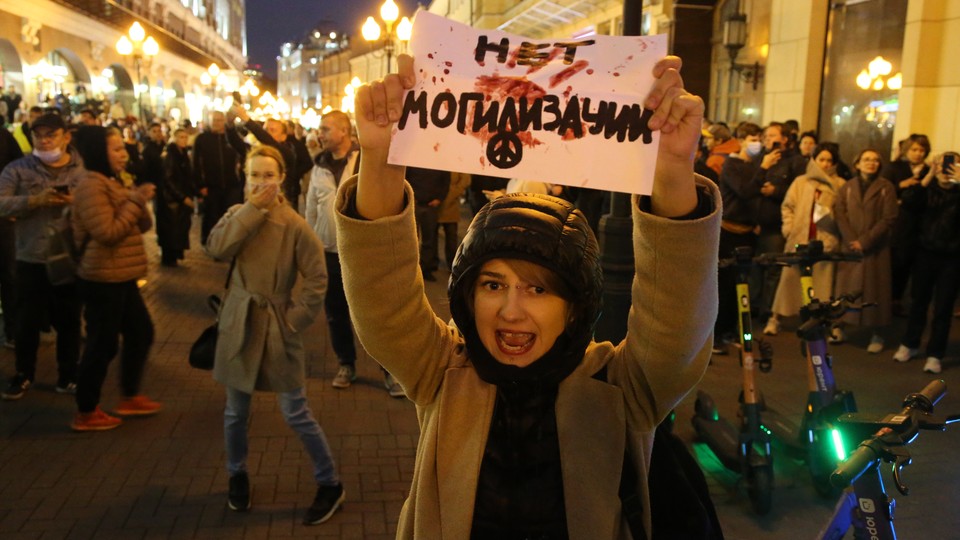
x=678, y=115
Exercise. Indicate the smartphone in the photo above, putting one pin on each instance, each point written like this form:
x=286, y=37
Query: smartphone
x=237, y=98
x=776, y=146
x=948, y=161
x=62, y=189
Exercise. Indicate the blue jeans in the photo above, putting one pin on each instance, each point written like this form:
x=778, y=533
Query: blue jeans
x=296, y=412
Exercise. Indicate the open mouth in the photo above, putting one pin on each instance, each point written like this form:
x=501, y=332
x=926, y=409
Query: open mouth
x=515, y=343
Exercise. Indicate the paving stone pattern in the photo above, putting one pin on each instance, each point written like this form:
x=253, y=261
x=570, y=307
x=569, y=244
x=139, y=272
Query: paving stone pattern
x=163, y=477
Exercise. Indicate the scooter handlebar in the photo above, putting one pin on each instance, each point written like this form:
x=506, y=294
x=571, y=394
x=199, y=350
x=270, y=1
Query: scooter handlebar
x=862, y=459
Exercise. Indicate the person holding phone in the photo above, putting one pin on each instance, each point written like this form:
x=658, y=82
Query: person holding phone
x=936, y=277
x=35, y=190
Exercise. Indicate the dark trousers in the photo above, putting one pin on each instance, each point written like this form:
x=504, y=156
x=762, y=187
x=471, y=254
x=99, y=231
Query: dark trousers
x=427, y=217
x=727, y=282
x=338, y=313
x=902, y=258
x=8, y=269
x=112, y=310
x=450, y=242
x=215, y=205
x=936, y=276
x=40, y=304
x=764, y=280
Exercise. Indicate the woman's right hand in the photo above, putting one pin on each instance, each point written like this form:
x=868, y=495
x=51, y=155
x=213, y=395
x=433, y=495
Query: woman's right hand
x=379, y=105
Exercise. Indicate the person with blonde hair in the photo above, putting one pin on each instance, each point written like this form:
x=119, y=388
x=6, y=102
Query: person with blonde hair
x=260, y=344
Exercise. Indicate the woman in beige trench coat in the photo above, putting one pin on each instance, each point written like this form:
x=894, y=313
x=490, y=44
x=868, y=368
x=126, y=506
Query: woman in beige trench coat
x=259, y=346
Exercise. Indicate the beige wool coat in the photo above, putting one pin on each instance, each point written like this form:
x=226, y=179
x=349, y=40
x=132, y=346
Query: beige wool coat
x=813, y=188
x=260, y=345
x=869, y=218
x=108, y=221
x=664, y=355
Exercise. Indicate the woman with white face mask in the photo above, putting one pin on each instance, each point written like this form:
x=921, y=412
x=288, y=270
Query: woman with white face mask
x=260, y=345
x=525, y=421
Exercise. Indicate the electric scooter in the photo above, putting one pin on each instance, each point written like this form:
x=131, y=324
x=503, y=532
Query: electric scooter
x=817, y=440
x=865, y=506
x=745, y=450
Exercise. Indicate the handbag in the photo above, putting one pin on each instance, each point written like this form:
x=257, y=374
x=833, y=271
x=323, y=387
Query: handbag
x=204, y=349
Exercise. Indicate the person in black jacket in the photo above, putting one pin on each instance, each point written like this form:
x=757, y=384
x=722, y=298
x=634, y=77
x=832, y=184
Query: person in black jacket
x=174, y=206
x=429, y=190
x=936, y=273
x=741, y=197
x=273, y=133
x=151, y=159
x=781, y=163
x=218, y=153
x=906, y=172
x=9, y=151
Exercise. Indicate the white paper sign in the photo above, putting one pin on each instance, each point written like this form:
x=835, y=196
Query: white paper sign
x=564, y=111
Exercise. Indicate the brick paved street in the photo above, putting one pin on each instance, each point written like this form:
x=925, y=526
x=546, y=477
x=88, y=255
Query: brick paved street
x=163, y=477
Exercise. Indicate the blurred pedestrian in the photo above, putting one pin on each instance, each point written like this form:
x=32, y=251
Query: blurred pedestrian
x=260, y=345
x=936, y=274
x=865, y=210
x=9, y=152
x=175, y=201
x=430, y=188
x=218, y=155
x=807, y=213
x=35, y=190
x=449, y=217
x=339, y=160
x=905, y=172
x=109, y=220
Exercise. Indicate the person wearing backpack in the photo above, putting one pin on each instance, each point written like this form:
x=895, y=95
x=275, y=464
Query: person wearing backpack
x=35, y=190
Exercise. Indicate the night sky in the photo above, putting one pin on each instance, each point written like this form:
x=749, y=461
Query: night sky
x=272, y=22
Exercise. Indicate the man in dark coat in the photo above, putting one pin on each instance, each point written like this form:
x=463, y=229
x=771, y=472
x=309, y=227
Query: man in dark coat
x=218, y=155
x=9, y=151
x=429, y=190
x=151, y=163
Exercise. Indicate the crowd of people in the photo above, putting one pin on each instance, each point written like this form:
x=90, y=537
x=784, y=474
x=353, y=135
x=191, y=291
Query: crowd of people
x=521, y=412
x=783, y=188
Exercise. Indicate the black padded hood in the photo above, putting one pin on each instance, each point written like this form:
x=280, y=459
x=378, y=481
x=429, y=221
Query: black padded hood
x=543, y=230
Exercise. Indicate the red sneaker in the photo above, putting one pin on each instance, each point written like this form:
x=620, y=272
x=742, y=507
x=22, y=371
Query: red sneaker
x=138, y=406
x=97, y=420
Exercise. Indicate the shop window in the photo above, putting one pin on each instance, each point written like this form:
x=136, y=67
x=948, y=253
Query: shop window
x=861, y=82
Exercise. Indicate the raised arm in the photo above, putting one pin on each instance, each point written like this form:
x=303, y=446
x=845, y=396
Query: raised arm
x=380, y=185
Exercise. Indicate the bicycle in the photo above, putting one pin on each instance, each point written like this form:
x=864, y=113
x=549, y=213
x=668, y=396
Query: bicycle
x=865, y=505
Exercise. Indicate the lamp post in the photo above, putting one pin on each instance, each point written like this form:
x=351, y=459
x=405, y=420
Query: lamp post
x=371, y=29
x=734, y=39
x=142, y=49
x=210, y=79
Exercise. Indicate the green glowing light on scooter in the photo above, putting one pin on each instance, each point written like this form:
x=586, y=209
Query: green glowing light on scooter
x=748, y=337
x=838, y=444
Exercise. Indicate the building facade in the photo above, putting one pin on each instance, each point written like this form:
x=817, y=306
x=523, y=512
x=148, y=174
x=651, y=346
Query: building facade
x=65, y=50
x=300, y=66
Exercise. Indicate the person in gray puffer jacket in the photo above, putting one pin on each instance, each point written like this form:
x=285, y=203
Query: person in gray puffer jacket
x=35, y=190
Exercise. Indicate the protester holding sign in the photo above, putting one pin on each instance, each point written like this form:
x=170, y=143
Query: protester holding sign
x=528, y=426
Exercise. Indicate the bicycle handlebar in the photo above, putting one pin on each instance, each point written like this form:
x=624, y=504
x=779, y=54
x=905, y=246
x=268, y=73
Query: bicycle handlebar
x=897, y=430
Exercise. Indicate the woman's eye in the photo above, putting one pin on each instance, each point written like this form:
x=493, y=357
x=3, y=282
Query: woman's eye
x=491, y=285
x=538, y=290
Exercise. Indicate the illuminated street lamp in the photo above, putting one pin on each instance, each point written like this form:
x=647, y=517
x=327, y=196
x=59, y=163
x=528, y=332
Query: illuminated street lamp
x=371, y=29
x=210, y=79
x=872, y=77
x=142, y=49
